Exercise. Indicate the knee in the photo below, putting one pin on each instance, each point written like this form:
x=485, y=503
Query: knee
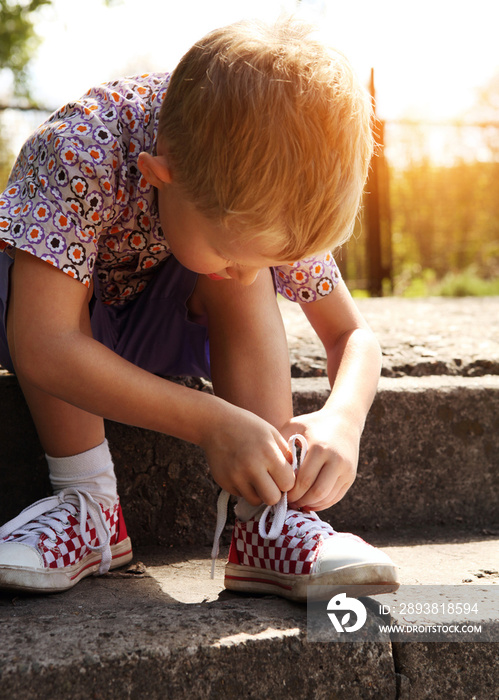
x=218, y=299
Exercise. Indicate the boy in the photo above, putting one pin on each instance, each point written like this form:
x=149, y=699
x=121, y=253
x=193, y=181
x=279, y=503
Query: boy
x=150, y=224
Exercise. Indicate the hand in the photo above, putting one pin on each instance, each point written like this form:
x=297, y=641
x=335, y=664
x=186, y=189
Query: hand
x=248, y=457
x=330, y=465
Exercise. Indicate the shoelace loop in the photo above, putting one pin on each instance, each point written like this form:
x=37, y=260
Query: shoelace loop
x=280, y=510
x=39, y=519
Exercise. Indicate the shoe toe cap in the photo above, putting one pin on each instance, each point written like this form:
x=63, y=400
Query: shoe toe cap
x=18, y=554
x=344, y=550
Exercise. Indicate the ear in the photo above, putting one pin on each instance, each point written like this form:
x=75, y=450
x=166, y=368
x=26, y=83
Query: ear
x=155, y=169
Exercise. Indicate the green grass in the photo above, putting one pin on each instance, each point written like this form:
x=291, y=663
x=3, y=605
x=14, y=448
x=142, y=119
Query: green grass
x=454, y=284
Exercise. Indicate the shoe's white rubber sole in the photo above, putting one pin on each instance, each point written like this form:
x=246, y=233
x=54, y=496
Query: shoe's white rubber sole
x=359, y=580
x=31, y=580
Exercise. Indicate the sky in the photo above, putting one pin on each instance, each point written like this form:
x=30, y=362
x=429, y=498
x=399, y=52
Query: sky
x=429, y=57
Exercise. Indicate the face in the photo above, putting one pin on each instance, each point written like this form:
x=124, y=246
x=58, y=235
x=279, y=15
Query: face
x=206, y=247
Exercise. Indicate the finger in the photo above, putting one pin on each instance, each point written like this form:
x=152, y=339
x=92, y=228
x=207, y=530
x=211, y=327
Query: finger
x=307, y=475
x=335, y=495
x=249, y=494
x=318, y=492
x=283, y=446
x=280, y=469
x=267, y=490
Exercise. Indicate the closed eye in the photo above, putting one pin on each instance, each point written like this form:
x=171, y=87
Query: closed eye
x=229, y=263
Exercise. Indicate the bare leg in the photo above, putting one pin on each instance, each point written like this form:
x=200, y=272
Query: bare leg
x=248, y=348
x=83, y=480
x=63, y=429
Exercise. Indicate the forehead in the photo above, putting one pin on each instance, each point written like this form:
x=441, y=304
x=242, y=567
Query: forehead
x=246, y=249
x=231, y=241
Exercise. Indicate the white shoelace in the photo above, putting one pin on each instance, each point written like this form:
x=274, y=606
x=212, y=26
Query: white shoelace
x=49, y=516
x=307, y=525
x=280, y=510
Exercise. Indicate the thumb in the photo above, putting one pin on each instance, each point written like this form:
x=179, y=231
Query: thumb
x=285, y=477
x=283, y=445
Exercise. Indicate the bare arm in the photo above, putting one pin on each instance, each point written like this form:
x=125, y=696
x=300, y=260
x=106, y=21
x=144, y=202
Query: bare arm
x=353, y=366
x=353, y=354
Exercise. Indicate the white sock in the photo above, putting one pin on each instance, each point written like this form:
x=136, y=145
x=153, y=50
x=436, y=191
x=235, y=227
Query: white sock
x=245, y=511
x=92, y=471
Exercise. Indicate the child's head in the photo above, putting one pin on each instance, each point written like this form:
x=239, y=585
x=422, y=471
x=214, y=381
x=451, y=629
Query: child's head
x=269, y=132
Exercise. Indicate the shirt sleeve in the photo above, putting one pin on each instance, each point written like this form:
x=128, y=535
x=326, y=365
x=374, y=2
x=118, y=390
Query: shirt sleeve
x=309, y=279
x=63, y=189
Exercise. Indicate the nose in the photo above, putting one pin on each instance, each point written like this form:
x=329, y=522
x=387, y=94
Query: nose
x=243, y=275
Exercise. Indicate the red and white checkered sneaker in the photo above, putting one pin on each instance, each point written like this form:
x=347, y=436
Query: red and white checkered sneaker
x=300, y=552
x=46, y=549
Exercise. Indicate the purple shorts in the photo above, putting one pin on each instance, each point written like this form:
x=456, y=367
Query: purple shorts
x=152, y=331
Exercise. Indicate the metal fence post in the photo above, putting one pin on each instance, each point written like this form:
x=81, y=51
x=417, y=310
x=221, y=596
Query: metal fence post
x=373, y=214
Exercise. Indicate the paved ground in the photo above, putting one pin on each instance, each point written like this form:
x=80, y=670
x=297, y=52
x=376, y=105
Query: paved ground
x=418, y=336
x=163, y=629
x=465, y=559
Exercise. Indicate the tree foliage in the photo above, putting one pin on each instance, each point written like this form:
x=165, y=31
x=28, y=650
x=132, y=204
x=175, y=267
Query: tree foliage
x=446, y=218
x=486, y=110
x=18, y=38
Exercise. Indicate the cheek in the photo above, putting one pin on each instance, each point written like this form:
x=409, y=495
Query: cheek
x=197, y=260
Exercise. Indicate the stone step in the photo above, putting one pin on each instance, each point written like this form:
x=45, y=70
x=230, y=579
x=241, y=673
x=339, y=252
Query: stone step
x=162, y=629
x=428, y=458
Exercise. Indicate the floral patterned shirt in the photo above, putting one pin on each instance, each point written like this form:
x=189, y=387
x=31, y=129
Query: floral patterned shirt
x=77, y=200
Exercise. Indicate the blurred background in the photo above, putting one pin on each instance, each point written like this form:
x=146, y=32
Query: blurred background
x=430, y=221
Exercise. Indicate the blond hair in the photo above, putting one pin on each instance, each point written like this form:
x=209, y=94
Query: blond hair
x=268, y=132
